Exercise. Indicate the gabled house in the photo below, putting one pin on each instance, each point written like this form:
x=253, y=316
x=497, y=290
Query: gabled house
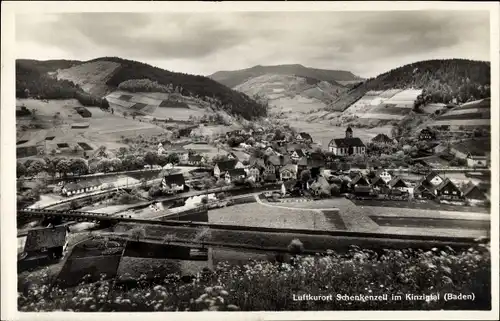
x=434, y=179
x=278, y=161
x=47, y=242
x=360, y=180
x=181, y=152
x=255, y=169
x=196, y=160
x=235, y=175
x=173, y=183
x=304, y=137
x=269, y=151
x=398, y=183
x=239, y=156
x=424, y=190
x=221, y=168
x=84, y=186
x=379, y=183
x=288, y=172
x=447, y=190
x=347, y=146
x=473, y=193
x=297, y=154
x=477, y=160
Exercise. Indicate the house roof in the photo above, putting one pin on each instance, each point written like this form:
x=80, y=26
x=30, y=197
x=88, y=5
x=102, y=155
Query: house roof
x=177, y=179
x=431, y=175
x=300, y=152
x=195, y=158
x=446, y=182
x=45, y=238
x=377, y=180
x=362, y=189
x=257, y=162
x=289, y=167
x=382, y=138
x=279, y=160
x=269, y=177
x=236, y=172
x=227, y=165
x=305, y=135
x=359, y=178
x=426, y=185
x=302, y=161
x=241, y=156
x=347, y=142
x=397, y=181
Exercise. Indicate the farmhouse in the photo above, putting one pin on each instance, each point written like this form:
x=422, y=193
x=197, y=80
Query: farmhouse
x=347, y=146
x=447, y=190
x=81, y=187
x=424, y=190
x=304, y=137
x=288, y=172
x=234, y=175
x=398, y=183
x=477, y=160
x=473, y=193
x=434, y=179
x=382, y=139
x=181, y=152
x=221, y=168
x=378, y=182
x=174, y=182
x=49, y=242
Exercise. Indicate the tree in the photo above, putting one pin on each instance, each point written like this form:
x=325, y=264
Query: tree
x=103, y=165
x=150, y=158
x=122, y=151
x=79, y=166
x=36, y=167
x=137, y=233
x=221, y=196
x=305, y=175
x=334, y=190
x=173, y=158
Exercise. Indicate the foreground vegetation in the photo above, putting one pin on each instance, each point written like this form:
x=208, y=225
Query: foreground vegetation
x=269, y=285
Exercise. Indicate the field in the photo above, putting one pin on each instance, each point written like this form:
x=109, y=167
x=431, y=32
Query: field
x=475, y=113
x=90, y=76
x=157, y=105
x=104, y=128
x=255, y=214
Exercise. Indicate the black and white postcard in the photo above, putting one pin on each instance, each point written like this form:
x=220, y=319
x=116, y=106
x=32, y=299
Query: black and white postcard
x=180, y=158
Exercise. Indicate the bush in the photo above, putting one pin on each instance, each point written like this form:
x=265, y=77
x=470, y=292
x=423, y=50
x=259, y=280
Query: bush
x=265, y=286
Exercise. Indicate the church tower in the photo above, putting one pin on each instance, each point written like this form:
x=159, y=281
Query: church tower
x=348, y=132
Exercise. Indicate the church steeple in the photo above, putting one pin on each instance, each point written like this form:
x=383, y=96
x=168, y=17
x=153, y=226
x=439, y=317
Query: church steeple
x=348, y=132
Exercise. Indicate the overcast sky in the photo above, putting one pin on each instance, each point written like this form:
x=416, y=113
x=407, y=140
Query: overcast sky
x=366, y=43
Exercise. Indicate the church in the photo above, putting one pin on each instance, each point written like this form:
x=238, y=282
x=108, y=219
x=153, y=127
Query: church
x=347, y=146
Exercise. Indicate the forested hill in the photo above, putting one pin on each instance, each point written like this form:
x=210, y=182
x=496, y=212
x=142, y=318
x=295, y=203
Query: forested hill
x=201, y=87
x=237, y=77
x=441, y=80
x=34, y=79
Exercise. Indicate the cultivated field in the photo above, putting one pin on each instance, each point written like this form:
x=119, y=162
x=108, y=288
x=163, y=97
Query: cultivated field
x=475, y=113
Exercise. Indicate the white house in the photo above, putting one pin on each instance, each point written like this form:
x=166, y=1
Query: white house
x=434, y=179
x=384, y=175
x=288, y=172
x=86, y=186
x=297, y=154
x=477, y=160
x=347, y=146
x=174, y=183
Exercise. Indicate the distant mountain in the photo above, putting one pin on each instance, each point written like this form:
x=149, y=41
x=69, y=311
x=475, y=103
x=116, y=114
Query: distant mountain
x=237, y=77
x=442, y=81
x=101, y=76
